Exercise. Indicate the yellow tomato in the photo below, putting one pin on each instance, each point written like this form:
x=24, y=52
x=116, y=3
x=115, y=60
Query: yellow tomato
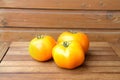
x=68, y=54
x=82, y=38
x=40, y=48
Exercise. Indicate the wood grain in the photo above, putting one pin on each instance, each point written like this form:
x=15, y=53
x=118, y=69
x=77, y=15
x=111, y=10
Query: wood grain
x=26, y=34
x=20, y=51
x=63, y=76
x=59, y=18
x=3, y=48
x=98, y=51
x=101, y=63
x=92, y=44
x=56, y=69
x=88, y=58
x=62, y=4
x=33, y=63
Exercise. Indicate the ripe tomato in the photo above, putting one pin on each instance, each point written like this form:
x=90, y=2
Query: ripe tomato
x=76, y=36
x=68, y=55
x=40, y=48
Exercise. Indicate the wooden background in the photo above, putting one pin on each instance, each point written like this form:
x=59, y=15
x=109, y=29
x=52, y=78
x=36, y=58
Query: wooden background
x=21, y=20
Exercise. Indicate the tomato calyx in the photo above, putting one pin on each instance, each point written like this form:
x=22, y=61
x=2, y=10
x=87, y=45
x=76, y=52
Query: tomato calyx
x=66, y=43
x=40, y=36
x=73, y=32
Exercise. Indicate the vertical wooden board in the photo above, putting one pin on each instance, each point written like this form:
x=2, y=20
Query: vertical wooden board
x=3, y=48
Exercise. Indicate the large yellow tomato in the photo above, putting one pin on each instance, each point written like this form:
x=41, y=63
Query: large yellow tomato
x=68, y=55
x=40, y=48
x=82, y=38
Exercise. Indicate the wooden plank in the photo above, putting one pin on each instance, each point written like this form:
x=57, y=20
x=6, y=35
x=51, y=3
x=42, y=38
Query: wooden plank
x=99, y=44
x=26, y=34
x=42, y=69
x=3, y=49
x=103, y=63
x=59, y=19
x=62, y=4
x=116, y=47
x=18, y=63
x=18, y=51
x=102, y=58
x=100, y=52
x=91, y=48
x=52, y=64
x=63, y=76
x=88, y=58
x=96, y=48
x=92, y=44
x=19, y=44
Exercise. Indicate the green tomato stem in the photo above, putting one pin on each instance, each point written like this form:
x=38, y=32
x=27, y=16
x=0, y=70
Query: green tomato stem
x=73, y=32
x=40, y=36
x=66, y=43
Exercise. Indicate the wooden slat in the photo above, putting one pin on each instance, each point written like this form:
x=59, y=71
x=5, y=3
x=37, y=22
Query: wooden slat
x=116, y=47
x=3, y=48
x=42, y=69
x=102, y=58
x=19, y=44
x=92, y=44
x=57, y=76
x=26, y=34
x=99, y=44
x=98, y=52
x=18, y=51
x=59, y=18
x=96, y=48
x=62, y=4
x=102, y=63
x=18, y=62
x=88, y=58
x=52, y=64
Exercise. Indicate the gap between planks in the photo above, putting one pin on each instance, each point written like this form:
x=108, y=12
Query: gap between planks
x=3, y=49
x=116, y=47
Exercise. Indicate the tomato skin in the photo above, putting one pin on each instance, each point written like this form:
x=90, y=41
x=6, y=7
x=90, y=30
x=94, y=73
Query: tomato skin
x=40, y=49
x=82, y=38
x=68, y=57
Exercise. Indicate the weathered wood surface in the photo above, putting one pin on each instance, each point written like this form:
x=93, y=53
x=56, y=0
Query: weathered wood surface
x=62, y=4
x=101, y=63
x=59, y=18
